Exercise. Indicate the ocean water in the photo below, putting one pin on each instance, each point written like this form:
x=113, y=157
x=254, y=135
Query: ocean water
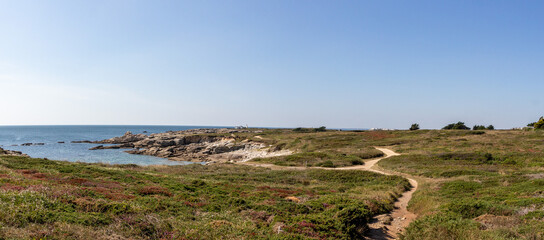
x=79, y=152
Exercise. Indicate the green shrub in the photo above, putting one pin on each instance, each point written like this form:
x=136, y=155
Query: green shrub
x=488, y=157
x=478, y=127
x=307, y=130
x=414, y=127
x=353, y=221
x=470, y=208
x=321, y=129
x=327, y=164
x=458, y=125
x=299, y=129
x=357, y=162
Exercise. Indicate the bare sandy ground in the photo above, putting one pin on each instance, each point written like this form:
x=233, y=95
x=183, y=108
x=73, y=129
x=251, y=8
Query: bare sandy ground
x=385, y=226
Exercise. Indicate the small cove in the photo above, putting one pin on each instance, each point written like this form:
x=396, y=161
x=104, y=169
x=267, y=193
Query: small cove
x=57, y=143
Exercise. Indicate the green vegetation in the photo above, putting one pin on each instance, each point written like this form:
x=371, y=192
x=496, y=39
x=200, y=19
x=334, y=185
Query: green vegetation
x=43, y=199
x=478, y=127
x=472, y=185
x=487, y=186
x=328, y=159
x=414, y=127
x=323, y=149
x=456, y=126
x=482, y=127
x=539, y=124
x=306, y=130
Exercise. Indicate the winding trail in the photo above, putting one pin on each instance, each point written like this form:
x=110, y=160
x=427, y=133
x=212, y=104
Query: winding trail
x=385, y=226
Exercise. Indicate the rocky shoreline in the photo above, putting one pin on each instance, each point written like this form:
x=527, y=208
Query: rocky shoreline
x=196, y=145
x=12, y=153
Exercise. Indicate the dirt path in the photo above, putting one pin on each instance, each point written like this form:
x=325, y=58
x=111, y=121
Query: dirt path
x=385, y=226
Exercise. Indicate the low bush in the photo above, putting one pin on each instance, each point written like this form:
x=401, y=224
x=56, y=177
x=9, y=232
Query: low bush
x=456, y=126
x=327, y=164
x=309, y=130
x=353, y=221
x=478, y=127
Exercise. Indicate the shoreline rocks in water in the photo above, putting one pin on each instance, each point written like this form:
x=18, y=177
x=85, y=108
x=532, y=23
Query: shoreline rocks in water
x=12, y=153
x=201, y=145
x=32, y=144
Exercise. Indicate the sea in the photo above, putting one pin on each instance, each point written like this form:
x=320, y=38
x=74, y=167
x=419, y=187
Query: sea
x=57, y=143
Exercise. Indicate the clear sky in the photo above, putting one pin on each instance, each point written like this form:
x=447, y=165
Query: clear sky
x=348, y=64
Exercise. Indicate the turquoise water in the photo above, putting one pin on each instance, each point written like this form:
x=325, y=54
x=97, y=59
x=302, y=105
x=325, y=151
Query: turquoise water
x=78, y=152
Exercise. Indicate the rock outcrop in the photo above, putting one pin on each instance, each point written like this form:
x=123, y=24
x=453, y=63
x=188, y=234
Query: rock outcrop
x=12, y=153
x=31, y=144
x=127, y=138
x=201, y=145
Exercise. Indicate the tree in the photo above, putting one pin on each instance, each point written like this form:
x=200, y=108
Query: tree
x=490, y=127
x=540, y=123
x=458, y=125
x=531, y=124
x=414, y=127
x=478, y=127
x=321, y=129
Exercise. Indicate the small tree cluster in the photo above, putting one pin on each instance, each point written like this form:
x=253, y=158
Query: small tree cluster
x=414, y=127
x=321, y=129
x=482, y=127
x=305, y=130
x=478, y=127
x=458, y=125
x=539, y=124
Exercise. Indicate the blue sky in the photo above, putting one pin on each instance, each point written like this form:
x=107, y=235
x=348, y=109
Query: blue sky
x=348, y=64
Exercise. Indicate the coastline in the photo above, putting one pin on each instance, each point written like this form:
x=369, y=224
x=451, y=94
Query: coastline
x=195, y=145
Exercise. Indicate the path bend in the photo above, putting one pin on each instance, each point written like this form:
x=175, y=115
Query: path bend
x=399, y=218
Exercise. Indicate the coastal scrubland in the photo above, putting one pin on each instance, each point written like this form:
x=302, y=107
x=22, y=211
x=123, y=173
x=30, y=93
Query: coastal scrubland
x=322, y=149
x=473, y=184
x=44, y=199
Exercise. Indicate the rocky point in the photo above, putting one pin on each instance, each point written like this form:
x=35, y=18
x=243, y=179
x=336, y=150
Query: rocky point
x=199, y=145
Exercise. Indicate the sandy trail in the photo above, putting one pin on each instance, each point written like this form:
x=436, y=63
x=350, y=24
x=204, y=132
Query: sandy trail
x=399, y=218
